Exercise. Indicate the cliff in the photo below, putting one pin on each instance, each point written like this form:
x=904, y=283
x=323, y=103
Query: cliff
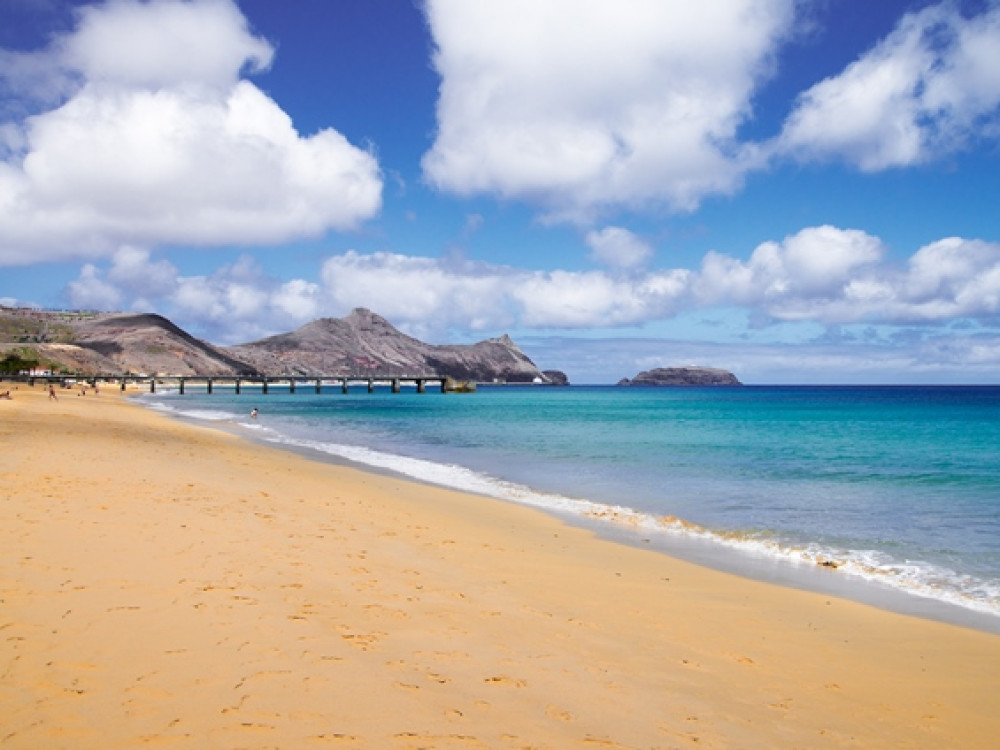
x=675, y=376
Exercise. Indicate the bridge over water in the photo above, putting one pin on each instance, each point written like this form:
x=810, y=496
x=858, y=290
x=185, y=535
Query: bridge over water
x=291, y=382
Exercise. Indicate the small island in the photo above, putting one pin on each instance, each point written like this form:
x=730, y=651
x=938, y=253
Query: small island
x=674, y=376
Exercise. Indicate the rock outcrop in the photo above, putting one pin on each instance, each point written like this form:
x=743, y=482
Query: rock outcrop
x=364, y=343
x=674, y=376
x=556, y=377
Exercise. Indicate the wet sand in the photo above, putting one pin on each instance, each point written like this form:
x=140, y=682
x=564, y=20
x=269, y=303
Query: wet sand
x=170, y=585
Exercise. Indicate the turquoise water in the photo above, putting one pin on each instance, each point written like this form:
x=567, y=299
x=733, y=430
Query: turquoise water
x=899, y=485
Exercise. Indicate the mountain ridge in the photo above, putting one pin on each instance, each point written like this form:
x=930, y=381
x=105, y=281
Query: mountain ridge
x=362, y=343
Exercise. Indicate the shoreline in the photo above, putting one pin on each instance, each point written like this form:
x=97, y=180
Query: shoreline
x=179, y=583
x=703, y=547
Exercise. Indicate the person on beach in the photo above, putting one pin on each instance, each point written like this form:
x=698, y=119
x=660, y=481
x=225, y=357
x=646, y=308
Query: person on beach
x=253, y=413
x=52, y=393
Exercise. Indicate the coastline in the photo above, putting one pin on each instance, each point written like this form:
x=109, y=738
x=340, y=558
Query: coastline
x=888, y=585
x=178, y=583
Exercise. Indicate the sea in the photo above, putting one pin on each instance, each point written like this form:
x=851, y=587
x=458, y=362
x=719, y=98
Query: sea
x=889, y=495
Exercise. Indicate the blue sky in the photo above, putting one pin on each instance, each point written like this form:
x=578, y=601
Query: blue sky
x=801, y=191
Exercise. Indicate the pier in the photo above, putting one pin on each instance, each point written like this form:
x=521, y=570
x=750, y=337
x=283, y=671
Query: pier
x=206, y=383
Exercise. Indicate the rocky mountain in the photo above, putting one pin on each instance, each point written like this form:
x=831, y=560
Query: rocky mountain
x=110, y=343
x=365, y=343
x=682, y=376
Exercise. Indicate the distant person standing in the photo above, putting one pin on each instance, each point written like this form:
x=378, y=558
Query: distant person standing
x=52, y=393
x=253, y=413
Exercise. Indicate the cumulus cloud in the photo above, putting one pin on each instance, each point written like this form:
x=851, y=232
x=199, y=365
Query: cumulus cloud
x=164, y=44
x=821, y=276
x=91, y=292
x=833, y=276
x=236, y=302
x=950, y=278
x=472, y=296
x=618, y=248
x=926, y=89
x=637, y=105
x=160, y=141
x=793, y=278
x=586, y=106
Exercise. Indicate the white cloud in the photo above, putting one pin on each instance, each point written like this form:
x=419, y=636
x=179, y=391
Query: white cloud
x=832, y=275
x=162, y=143
x=298, y=300
x=951, y=278
x=792, y=278
x=427, y=295
x=164, y=44
x=926, y=89
x=819, y=277
x=133, y=269
x=90, y=292
x=618, y=248
x=584, y=106
x=237, y=302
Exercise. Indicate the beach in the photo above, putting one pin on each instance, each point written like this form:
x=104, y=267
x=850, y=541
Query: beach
x=177, y=586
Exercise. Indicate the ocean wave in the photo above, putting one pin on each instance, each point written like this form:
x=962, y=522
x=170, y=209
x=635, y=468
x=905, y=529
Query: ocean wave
x=912, y=577
x=207, y=415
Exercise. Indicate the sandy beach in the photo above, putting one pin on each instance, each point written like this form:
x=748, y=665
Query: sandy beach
x=175, y=586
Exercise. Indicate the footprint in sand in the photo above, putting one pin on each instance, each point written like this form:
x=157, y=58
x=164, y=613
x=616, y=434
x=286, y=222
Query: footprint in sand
x=506, y=680
x=363, y=641
x=554, y=712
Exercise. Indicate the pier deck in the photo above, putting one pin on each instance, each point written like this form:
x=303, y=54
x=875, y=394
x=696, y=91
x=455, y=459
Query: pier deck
x=292, y=382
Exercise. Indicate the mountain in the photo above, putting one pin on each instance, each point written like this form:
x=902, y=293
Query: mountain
x=111, y=343
x=682, y=376
x=361, y=344
x=365, y=343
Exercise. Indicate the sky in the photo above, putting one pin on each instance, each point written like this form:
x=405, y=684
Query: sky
x=799, y=191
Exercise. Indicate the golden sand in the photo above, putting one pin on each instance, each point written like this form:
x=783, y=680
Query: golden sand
x=176, y=586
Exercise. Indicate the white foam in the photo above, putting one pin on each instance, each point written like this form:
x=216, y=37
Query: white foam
x=921, y=579
x=207, y=415
x=913, y=577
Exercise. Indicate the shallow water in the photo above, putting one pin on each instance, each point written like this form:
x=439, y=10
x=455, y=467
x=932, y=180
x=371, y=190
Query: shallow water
x=899, y=485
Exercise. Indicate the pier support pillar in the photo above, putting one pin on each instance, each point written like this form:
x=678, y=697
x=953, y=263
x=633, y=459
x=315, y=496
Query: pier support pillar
x=395, y=385
x=343, y=385
x=420, y=385
x=208, y=386
x=237, y=386
x=371, y=385
x=263, y=386
x=291, y=385
x=152, y=385
x=180, y=384
x=319, y=386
